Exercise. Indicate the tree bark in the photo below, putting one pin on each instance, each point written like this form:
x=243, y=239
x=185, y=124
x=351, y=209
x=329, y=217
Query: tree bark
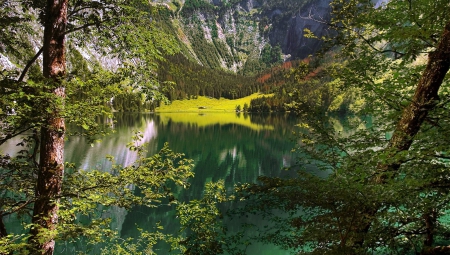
x=423, y=101
x=51, y=162
x=3, y=232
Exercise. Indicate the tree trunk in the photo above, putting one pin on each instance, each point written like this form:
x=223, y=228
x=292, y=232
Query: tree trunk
x=51, y=162
x=3, y=232
x=423, y=101
x=425, y=98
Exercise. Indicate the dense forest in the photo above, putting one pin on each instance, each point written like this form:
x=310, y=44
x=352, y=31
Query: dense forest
x=191, y=80
x=384, y=183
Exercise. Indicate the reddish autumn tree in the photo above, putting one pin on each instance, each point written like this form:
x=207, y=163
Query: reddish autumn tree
x=387, y=188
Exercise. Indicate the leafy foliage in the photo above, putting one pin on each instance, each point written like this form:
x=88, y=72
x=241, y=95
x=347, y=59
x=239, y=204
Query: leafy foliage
x=200, y=217
x=89, y=194
x=368, y=194
x=37, y=105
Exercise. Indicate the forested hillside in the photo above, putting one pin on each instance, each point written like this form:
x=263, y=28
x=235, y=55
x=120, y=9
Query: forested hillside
x=378, y=185
x=248, y=36
x=190, y=80
x=242, y=37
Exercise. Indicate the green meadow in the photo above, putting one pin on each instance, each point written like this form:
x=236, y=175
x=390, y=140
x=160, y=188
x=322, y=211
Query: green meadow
x=207, y=104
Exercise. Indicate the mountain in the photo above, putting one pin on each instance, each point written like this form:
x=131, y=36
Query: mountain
x=239, y=36
x=248, y=36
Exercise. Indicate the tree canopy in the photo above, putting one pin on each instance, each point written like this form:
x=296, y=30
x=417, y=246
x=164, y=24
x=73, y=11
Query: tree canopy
x=386, y=189
x=38, y=101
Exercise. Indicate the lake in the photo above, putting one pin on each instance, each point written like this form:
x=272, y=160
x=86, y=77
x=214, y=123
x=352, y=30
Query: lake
x=236, y=148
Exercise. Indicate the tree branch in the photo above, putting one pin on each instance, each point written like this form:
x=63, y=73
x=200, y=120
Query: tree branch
x=25, y=70
x=310, y=17
x=83, y=27
x=20, y=204
x=12, y=135
x=379, y=50
x=436, y=250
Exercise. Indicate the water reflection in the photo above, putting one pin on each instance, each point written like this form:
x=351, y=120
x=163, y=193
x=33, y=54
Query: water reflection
x=224, y=146
x=235, y=148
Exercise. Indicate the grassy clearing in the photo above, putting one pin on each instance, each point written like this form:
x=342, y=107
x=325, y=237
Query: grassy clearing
x=205, y=104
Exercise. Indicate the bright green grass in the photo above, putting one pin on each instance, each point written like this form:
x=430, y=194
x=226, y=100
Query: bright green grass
x=209, y=104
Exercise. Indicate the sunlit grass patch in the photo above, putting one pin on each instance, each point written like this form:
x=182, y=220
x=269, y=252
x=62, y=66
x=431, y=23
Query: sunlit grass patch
x=207, y=104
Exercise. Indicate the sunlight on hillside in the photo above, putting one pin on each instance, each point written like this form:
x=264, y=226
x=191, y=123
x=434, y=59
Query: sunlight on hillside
x=205, y=104
x=209, y=119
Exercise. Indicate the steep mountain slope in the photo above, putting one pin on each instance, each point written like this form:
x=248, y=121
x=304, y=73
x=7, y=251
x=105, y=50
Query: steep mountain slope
x=241, y=36
x=248, y=36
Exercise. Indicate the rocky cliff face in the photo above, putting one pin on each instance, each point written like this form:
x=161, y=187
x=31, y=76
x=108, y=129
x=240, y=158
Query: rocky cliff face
x=288, y=31
x=232, y=34
x=224, y=34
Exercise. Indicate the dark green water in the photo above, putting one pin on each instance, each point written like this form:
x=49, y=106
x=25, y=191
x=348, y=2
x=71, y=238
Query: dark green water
x=235, y=148
x=230, y=151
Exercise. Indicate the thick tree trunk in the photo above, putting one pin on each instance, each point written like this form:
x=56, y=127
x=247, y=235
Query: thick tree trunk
x=3, y=232
x=423, y=101
x=425, y=98
x=51, y=162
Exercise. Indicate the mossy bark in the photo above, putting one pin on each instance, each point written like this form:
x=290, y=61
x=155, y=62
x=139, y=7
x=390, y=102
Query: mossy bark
x=51, y=162
x=413, y=116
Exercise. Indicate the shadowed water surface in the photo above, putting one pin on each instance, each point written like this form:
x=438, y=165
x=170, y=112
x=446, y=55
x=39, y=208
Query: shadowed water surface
x=234, y=147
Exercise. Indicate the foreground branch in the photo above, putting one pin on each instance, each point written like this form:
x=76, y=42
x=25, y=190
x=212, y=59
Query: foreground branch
x=424, y=100
x=29, y=64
